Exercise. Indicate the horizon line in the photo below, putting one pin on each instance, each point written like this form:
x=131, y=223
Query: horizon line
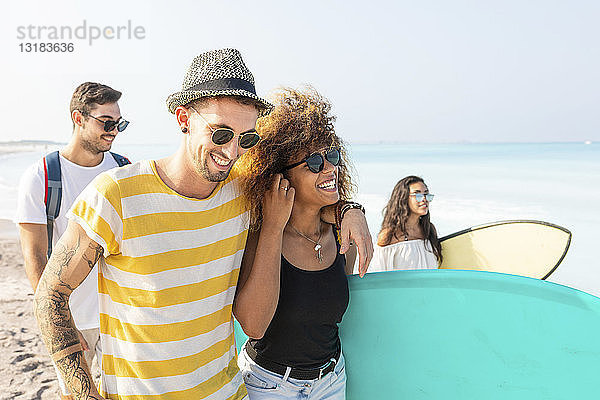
x=37, y=143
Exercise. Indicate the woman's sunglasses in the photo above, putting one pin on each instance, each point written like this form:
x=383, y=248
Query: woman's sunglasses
x=221, y=136
x=316, y=161
x=109, y=125
x=420, y=196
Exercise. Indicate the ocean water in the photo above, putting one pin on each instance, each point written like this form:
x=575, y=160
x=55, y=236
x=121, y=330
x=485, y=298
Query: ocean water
x=473, y=184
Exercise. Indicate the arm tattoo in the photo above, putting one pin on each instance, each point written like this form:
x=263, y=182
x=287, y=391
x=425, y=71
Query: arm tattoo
x=78, y=379
x=61, y=257
x=98, y=251
x=51, y=306
x=54, y=318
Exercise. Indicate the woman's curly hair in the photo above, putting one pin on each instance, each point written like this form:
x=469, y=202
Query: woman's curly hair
x=300, y=124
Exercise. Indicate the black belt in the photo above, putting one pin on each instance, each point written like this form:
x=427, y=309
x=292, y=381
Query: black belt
x=296, y=373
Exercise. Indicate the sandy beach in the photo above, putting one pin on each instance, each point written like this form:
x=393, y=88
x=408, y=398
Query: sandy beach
x=24, y=361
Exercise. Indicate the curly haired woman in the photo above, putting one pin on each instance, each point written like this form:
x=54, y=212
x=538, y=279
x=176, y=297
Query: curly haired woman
x=298, y=168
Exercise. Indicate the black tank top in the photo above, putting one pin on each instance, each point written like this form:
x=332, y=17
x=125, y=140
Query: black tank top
x=304, y=330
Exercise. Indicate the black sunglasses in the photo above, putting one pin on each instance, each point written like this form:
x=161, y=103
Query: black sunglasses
x=221, y=136
x=316, y=162
x=109, y=125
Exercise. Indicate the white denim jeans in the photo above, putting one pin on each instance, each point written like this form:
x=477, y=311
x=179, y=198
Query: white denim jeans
x=263, y=384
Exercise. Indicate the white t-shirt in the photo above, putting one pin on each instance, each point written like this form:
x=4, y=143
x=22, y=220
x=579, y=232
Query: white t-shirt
x=31, y=209
x=409, y=254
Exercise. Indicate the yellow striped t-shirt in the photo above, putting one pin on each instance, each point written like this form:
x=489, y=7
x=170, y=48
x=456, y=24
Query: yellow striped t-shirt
x=166, y=284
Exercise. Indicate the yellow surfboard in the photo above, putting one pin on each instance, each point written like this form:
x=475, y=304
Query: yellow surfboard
x=528, y=248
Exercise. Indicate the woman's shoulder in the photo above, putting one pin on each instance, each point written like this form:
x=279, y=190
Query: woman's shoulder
x=411, y=244
x=386, y=237
x=410, y=254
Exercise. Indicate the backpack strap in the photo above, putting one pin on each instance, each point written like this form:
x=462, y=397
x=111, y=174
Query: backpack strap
x=53, y=193
x=121, y=160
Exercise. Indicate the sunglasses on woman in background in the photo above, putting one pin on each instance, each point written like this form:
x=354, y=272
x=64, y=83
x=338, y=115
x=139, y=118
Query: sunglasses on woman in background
x=420, y=196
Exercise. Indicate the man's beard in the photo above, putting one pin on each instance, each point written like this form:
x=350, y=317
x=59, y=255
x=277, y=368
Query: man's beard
x=210, y=176
x=94, y=147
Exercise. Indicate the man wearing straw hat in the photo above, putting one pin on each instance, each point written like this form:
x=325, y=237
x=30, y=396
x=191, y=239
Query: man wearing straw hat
x=169, y=237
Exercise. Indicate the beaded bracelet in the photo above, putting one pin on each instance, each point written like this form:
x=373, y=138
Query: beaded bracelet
x=342, y=207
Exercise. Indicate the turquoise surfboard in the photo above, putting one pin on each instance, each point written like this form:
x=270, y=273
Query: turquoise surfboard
x=443, y=334
x=240, y=336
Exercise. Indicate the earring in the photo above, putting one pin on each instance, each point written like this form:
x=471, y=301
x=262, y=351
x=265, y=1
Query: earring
x=184, y=129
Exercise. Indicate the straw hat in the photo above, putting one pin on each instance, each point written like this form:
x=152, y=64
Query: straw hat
x=217, y=73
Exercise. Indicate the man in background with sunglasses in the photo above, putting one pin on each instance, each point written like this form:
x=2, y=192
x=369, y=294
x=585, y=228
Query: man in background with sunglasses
x=169, y=236
x=96, y=121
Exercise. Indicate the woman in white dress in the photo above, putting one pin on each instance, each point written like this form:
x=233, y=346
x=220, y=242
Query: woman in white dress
x=408, y=239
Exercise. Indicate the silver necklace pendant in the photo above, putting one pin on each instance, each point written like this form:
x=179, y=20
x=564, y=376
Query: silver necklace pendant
x=317, y=244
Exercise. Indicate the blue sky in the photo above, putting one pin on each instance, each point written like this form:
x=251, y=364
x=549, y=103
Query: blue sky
x=403, y=71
